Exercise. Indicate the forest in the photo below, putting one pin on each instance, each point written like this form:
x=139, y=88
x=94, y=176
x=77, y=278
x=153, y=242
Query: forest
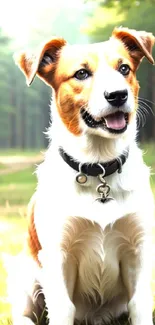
x=24, y=112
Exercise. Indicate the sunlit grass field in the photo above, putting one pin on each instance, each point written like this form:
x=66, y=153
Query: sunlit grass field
x=16, y=188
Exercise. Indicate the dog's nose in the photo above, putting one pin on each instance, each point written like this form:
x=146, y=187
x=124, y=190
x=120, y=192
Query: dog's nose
x=116, y=98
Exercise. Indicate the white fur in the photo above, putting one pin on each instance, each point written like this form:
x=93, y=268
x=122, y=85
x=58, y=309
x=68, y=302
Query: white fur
x=113, y=263
x=96, y=258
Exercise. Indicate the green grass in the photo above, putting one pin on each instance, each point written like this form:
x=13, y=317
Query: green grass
x=149, y=158
x=149, y=154
x=16, y=189
x=25, y=176
x=2, y=166
x=12, y=236
x=19, y=152
x=16, y=194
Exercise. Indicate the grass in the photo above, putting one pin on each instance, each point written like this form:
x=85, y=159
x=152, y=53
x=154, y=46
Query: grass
x=19, y=152
x=149, y=158
x=148, y=154
x=16, y=189
x=12, y=236
x=2, y=166
x=19, y=177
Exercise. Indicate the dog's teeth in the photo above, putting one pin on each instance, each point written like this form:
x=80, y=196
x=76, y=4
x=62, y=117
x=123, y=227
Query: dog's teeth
x=89, y=120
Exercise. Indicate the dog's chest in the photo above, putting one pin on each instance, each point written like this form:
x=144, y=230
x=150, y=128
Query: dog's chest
x=97, y=254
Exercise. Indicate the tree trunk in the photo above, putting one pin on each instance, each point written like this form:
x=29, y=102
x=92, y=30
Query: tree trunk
x=12, y=117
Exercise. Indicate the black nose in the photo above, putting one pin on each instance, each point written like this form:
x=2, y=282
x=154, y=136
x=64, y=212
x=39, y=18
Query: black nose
x=116, y=98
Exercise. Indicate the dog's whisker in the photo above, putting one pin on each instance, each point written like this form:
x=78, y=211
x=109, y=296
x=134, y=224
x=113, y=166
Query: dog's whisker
x=138, y=120
x=145, y=99
x=141, y=118
x=142, y=115
x=142, y=108
x=147, y=107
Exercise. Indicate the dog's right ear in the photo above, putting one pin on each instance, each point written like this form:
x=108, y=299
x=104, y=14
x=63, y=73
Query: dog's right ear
x=42, y=63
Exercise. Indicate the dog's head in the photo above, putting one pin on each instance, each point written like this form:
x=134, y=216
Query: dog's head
x=95, y=86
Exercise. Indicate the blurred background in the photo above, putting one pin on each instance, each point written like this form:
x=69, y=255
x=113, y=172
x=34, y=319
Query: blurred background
x=24, y=112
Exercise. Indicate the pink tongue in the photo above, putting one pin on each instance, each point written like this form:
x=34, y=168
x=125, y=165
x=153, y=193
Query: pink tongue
x=115, y=121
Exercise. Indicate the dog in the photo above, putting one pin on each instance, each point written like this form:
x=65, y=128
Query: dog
x=90, y=220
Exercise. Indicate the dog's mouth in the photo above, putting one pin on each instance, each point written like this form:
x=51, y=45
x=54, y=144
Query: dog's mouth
x=115, y=123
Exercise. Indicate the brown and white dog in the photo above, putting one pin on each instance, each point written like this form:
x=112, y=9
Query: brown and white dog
x=93, y=247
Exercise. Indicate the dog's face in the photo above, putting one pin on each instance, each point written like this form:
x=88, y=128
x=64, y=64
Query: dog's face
x=95, y=85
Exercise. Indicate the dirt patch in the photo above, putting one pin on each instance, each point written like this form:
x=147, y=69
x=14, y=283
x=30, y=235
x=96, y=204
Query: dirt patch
x=17, y=163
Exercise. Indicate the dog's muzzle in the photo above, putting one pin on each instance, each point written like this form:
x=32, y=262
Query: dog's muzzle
x=117, y=120
x=115, y=123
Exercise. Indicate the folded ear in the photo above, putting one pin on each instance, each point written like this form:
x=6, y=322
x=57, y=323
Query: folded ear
x=139, y=43
x=41, y=63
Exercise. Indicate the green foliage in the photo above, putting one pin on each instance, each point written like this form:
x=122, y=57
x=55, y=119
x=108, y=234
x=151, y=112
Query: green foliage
x=122, y=4
x=140, y=17
x=19, y=177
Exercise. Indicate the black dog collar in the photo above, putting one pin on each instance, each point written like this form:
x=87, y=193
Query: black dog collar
x=96, y=169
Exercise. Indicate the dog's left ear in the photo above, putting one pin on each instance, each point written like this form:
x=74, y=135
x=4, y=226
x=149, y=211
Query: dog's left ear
x=139, y=43
x=42, y=63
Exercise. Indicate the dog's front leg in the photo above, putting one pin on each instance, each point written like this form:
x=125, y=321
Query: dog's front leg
x=61, y=310
x=136, y=272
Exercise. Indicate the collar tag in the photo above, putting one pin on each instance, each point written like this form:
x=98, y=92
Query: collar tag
x=81, y=178
x=103, y=188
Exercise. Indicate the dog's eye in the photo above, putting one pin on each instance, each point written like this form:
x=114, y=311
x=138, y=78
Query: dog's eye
x=124, y=69
x=82, y=74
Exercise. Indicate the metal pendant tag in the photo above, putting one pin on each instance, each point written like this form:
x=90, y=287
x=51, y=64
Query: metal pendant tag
x=81, y=178
x=103, y=188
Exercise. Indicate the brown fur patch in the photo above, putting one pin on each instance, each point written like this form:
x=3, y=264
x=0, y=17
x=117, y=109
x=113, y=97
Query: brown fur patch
x=138, y=43
x=33, y=243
